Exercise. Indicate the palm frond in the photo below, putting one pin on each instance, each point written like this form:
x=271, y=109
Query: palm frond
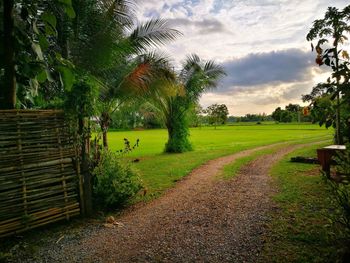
x=153, y=33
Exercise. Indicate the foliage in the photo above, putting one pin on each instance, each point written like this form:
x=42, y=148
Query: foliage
x=195, y=115
x=127, y=146
x=178, y=131
x=341, y=192
x=80, y=99
x=282, y=115
x=217, y=114
x=291, y=113
x=35, y=60
x=135, y=114
x=175, y=94
x=334, y=26
x=250, y=118
x=115, y=182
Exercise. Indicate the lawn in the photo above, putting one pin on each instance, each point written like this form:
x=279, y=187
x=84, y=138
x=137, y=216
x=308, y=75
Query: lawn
x=160, y=171
x=301, y=229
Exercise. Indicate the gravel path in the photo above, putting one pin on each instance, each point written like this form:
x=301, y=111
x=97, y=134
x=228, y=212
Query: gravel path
x=202, y=219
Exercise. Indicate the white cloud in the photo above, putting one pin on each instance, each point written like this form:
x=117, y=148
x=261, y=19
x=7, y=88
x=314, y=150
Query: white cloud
x=235, y=32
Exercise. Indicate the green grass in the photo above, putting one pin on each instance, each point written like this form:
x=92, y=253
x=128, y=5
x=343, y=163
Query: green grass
x=300, y=230
x=223, y=138
x=161, y=171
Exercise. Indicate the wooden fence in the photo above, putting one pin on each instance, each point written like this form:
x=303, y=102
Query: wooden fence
x=39, y=182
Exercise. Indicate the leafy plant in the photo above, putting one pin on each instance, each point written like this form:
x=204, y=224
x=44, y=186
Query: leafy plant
x=177, y=93
x=217, y=114
x=334, y=26
x=115, y=182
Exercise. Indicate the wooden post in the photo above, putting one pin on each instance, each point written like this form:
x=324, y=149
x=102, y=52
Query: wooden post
x=325, y=157
x=87, y=184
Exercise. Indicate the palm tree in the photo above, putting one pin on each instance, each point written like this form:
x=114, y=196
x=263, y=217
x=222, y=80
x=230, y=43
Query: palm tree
x=179, y=93
x=108, y=46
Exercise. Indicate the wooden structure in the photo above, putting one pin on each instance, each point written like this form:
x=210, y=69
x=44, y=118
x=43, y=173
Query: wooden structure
x=325, y=154
x=39, y=173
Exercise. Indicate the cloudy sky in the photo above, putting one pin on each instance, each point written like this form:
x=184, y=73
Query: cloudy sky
x=261, y=44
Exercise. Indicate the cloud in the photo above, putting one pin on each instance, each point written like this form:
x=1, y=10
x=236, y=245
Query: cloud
x=261, y=43
x=290, y=65
x=203, y=26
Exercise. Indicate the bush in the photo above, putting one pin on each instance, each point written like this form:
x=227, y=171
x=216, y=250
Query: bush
x=341, y=191
x=115, y=182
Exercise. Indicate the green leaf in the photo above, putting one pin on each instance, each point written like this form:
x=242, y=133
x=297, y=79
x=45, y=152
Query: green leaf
x=35, y=28
x=68, y=7
x=37, y=49
x=44, y=44
x=70, y=12
x=50, y=18
x=34, y=85
x=41, y=77
x=66, y=2
x=48, y=75
x=66, y=77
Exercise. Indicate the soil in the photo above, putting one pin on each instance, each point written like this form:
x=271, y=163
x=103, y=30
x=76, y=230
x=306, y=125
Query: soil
x=201, y=219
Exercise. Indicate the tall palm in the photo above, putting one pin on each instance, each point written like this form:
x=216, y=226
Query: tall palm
x=178, y=95
x=108, y=46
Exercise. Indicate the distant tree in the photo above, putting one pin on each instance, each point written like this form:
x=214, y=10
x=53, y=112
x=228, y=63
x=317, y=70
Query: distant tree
x=195, y=115
x=217, y=114
x=293, y=107
x=276, y=114
x=284, y=115
x=232, y=119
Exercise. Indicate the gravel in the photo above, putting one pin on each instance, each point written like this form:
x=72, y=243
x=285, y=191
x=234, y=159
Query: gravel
x=202, y=219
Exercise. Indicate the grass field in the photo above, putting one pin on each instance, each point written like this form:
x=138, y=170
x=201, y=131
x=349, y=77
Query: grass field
x=160, y=171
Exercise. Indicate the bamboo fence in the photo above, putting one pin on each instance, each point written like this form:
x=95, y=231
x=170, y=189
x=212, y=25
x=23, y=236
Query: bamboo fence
x=39, y=182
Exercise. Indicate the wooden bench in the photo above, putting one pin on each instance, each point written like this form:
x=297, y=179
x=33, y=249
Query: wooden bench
x=325, y=154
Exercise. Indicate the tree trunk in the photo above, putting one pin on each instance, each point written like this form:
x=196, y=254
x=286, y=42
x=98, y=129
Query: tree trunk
x=104, y=124
x=104, y=139
x=177, y=137
x=339, y=139
x=8, y=91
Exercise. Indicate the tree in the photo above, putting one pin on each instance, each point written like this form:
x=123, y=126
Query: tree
x=333, y=27
x=195, y=115
x=217, y=114
x=108, y=47
x=285, y=115
x=293, y=108
x=276, y=114
x=27, y=30
x=174, y=95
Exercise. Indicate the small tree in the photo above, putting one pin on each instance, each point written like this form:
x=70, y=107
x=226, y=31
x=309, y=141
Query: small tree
x=217, y=114
x=333, y=27
x=174, y=95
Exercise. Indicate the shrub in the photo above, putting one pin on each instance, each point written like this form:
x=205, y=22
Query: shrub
x=115, y=182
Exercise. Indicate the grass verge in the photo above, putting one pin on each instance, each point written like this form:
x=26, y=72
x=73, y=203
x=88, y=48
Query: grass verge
x=301, y=229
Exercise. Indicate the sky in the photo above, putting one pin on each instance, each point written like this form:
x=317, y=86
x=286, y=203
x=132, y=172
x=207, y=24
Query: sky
x=260, y=43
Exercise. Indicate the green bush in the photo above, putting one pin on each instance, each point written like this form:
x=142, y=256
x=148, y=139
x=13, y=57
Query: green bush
x=115, y=182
